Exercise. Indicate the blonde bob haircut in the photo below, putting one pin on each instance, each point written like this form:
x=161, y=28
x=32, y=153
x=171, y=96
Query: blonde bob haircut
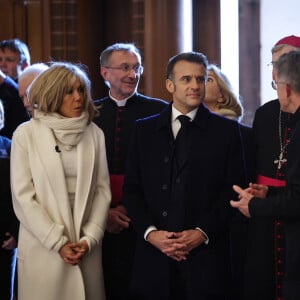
x=47, y=91
x=231, y=100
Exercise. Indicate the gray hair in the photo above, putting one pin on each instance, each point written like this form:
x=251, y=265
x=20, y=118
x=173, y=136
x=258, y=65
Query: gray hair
x=127, y=47
x=33, y=70
x=288, y=69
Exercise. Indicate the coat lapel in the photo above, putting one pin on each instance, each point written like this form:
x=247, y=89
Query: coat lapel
x=54, y=172
x=85, y=160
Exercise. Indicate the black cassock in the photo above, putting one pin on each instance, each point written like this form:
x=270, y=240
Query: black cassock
x=284, y=204
x=266, y=245
x=117, y=123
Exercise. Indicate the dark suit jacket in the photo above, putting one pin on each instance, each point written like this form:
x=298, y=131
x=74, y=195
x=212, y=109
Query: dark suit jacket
x=14, y=110
x=204, y=182
x=137, y=107
x=284, y=203
x=8, y=220
x=261, y=285
x=239, y=224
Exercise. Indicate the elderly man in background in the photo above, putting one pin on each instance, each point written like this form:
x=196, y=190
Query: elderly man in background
x=271, y=130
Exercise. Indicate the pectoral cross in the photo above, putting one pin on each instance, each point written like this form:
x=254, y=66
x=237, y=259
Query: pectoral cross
x=280, y=161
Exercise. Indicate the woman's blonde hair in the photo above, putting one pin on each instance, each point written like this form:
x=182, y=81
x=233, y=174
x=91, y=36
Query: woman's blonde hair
x=47, y=91
x=231, y=101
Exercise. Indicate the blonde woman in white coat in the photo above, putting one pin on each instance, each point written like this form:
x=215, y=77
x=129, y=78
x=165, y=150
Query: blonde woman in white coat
x=60, y=188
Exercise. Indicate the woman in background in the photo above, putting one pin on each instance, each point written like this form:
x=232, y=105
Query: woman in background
x=60, y=190
x=220, y=96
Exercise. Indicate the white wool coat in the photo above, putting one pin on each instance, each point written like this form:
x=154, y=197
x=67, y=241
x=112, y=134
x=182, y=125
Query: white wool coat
x=41, y=204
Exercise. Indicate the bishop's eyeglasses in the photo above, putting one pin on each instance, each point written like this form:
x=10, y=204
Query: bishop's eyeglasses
x=275, y=83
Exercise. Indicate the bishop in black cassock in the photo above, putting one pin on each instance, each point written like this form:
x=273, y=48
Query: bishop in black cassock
x=282, y=203
x=266, y=235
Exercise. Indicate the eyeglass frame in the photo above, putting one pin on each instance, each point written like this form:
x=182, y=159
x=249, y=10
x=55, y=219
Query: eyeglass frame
x=275, y=83
x=126, y=68
x=270, y=65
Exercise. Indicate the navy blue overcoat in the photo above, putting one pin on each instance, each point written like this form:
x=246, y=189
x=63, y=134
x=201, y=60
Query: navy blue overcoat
x=202, y=185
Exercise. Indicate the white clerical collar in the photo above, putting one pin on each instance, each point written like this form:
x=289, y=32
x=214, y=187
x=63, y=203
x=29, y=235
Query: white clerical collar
x=120, y=102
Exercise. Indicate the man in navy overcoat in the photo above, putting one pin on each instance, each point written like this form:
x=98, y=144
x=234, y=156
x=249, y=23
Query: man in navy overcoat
x=180, y=207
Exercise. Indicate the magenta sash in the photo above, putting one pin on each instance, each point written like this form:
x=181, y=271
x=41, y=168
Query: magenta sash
x=269, y=181
x=116, y=185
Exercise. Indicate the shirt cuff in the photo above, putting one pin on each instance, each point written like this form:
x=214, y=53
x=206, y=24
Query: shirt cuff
x=205, y=235
x=149, y=229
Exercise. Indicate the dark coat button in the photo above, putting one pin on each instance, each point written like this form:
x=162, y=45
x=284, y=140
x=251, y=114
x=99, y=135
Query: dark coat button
x=164, y=187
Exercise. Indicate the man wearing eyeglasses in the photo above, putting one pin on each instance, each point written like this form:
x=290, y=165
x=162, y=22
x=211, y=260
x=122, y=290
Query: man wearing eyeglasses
x=14, y=58
x=272, y=129
x=263, y=201
x=121, y=69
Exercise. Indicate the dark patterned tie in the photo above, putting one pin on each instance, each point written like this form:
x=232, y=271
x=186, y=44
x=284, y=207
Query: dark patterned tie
x=181, y=139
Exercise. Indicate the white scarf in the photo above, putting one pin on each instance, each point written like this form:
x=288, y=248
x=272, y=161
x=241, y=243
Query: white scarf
x=68, y=131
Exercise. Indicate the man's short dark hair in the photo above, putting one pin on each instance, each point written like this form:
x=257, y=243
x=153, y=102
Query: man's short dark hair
x=17, y=46
x=195, y=57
